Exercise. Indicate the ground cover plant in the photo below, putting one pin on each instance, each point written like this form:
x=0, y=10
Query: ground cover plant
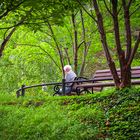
x=107, y=115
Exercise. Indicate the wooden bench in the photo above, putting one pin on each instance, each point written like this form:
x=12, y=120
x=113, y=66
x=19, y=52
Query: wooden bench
x=103, y=78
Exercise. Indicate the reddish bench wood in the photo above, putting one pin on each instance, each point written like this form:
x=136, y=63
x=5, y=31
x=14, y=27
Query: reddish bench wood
x=103, y=78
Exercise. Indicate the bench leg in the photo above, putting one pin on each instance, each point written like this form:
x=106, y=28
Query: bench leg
x=57, y=93
x=18, y=93
x=78, y=91
x=87, y=91
x=92, y=90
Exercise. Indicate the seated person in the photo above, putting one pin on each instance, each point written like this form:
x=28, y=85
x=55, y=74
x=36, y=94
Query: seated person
x=69, y=77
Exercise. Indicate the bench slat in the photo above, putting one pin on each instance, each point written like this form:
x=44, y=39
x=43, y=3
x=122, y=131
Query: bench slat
x=104, y=78
x=108, y=70
x=108, y=84
x=137, y=72
x=111, y=78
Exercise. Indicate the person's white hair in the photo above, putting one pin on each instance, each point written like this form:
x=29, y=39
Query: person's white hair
x=67, y=68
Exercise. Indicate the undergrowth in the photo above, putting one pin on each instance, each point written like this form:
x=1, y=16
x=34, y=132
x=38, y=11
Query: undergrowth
x=106, y=115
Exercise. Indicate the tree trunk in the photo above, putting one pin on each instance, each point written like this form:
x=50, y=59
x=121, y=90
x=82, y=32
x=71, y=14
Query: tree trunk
x=67, y=54
x=120, y=52
x=58, y=48
x=104, y=44
x=85, y=46
x=75, y=45
x=126, y=77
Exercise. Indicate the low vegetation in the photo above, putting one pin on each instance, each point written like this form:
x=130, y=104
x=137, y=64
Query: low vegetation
x=107, y=115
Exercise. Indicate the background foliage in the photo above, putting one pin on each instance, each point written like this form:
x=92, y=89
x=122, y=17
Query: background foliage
x=44, y=36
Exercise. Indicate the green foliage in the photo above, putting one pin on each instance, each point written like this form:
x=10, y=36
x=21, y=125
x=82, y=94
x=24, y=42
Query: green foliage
x=27, y=56
x=106, y=115
x=126, y=110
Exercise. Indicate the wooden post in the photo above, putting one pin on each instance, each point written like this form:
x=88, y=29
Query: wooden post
x=22, y=90
x=63, y=86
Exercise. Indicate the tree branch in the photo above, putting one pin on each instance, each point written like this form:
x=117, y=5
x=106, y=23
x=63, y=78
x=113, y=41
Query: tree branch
x=21, y=21
x=119, y=10
x=6, y=40
x=127, y=29
x=108, y=8
x=86, y=11
x=80, y=44
x=43, y=51
x=129, y=3
x=57, y=46
x=120, y=52
x=134, y=51
x=135, y=10
x=10, y=9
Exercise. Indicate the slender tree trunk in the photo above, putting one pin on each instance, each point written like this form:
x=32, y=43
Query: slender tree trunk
x=126, y=77
x=58, y=48
x=75, y=45
x=67, y=54
x=104, y=44
x=120, y=52
x=85, y=51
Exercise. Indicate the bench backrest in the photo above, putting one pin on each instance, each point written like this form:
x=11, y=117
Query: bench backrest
x=74, y=85
x=101, y=75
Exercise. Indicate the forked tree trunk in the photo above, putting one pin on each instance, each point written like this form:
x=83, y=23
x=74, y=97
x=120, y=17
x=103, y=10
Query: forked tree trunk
x=105, y=45
x=125, y=58
x=125, y=71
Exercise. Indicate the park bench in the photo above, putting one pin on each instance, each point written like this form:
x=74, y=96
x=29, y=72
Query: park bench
x=57, y=87
x=103, y=78
x=77, y=81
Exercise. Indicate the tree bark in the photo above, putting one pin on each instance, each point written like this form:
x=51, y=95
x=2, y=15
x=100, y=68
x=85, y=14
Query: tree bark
x=126, y=77
x=120, y=52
